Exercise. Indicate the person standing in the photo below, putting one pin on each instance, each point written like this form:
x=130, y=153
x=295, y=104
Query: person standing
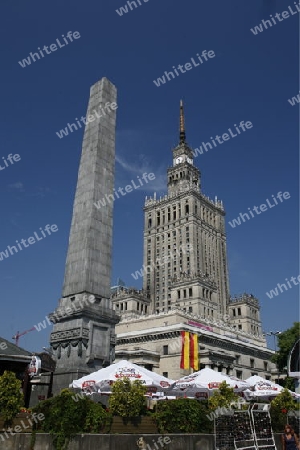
x=289, y=439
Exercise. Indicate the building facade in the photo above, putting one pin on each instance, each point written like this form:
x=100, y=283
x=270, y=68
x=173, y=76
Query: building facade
x=187, y=228
x=186, y=285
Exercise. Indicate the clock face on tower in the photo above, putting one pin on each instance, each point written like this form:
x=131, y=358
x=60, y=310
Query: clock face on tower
x=189, y=160
x=179, y=160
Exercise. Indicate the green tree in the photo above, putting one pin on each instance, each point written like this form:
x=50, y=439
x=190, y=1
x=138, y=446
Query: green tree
x=11, y=397
x=286, y=341
x=67, y=414
x=222, y=397
x=128, y=398
x=280, y=406
x=182, y=415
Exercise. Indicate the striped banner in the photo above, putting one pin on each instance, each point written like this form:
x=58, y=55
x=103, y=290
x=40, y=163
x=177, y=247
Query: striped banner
x=189, y=351
x=185, y=350
x=194, y=360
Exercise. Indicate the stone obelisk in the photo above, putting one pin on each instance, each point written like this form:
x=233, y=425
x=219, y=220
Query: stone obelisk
x=83, y=336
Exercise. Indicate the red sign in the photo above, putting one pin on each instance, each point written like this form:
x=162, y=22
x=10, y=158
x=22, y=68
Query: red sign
x=128, y=372
x=199, y=325
x=164, y=384
x=201, y=395
x=151, y=390
x=213, y=385
x=88, y=383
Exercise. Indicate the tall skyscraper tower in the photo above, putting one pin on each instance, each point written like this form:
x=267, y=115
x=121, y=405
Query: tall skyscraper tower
x=83, y=336
x=184, y=242
x=185, y=286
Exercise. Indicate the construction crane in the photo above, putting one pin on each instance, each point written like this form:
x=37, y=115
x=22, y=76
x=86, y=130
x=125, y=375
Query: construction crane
x=17, y=336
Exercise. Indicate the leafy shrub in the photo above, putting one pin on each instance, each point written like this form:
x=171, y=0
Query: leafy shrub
x=128, y=398
x=182, y=416
x=67, y=414
x=96, y=419
x=280, y=406
x=11, y=397
x=223, y=397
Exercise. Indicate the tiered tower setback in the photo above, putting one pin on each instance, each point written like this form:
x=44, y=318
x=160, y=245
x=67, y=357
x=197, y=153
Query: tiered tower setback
x=186, y=285
x=187, y=221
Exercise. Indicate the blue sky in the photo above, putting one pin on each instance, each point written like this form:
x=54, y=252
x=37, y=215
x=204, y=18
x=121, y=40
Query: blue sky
x=251, y=78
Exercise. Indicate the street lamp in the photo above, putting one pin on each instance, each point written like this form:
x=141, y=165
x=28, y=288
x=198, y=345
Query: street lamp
x=273, y=333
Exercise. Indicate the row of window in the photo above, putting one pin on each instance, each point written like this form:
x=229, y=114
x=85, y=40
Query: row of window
x=252, y=362
x=206, y=293
x=165, y=351
x=254, y=328
x=184, y=292
x=122, y=306
x=209, y=312
x=176, y=212
x=236, y=312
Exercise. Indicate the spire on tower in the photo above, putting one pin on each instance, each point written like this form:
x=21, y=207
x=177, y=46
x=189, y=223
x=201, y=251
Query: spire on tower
x=182, y=125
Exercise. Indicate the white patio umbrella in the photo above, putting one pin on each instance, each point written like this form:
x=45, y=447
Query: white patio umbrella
x=260, y=388
x=103, y=379
x=206, y=380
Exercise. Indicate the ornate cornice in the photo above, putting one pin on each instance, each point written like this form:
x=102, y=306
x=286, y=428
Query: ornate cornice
x=214, y=341
x=68, y=335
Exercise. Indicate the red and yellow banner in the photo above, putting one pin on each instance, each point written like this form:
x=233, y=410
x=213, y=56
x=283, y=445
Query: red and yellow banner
x=189, y=351
x=194, y=360
x=185, y=350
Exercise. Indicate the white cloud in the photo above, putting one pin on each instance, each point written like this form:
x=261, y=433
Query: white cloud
x=18, y=186
x=143, y=165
